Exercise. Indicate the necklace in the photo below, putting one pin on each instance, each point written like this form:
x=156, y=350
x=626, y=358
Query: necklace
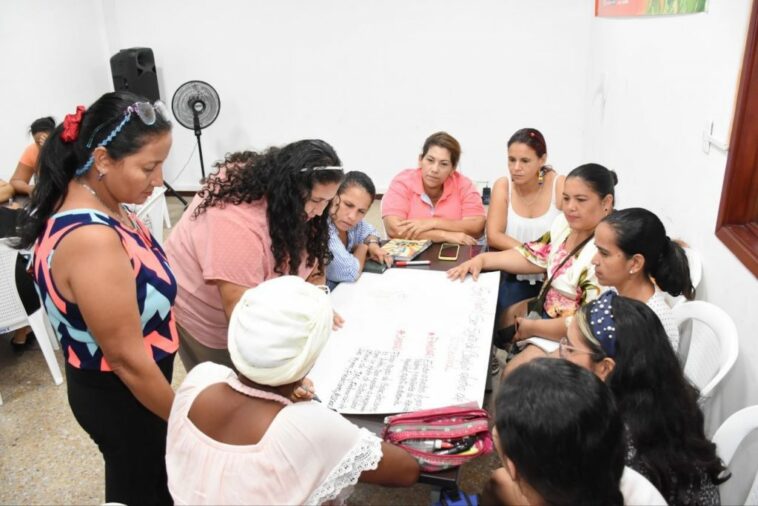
x=126, y=222
x=529, y=203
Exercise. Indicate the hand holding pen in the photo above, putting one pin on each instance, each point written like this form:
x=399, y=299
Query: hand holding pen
x=304, y=392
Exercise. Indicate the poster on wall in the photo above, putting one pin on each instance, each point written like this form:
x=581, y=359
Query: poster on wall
x=608, y=8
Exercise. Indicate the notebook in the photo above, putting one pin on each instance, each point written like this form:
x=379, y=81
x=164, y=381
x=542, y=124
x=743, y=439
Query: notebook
x=406, y=249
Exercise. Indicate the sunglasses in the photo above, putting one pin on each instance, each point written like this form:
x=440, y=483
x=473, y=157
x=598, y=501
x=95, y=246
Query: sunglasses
x=148, y=113
x=314, y=169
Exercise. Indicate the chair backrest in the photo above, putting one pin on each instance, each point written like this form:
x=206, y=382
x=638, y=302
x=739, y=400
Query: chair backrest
x=714, y=343
x=12, y=313
x=742, y=488
x=154, y=212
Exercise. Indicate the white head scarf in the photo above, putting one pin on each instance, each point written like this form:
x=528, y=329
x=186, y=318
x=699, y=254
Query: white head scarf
x=278, y=329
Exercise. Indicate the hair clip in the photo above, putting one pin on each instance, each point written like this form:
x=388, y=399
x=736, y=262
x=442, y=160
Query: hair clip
x=313, y=169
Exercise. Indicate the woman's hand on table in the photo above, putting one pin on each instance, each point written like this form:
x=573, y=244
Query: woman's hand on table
x=337, y=320
x=304, y=391
x=460, y=238
x=473, y=266
x=411, y=229
x=377, y=254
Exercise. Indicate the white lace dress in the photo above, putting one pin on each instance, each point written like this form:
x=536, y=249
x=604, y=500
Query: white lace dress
x=308, y=455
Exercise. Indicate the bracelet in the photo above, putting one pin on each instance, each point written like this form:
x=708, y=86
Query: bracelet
x=371, y=240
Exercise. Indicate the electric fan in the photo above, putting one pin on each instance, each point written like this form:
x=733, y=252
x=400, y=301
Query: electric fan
x=196, y=106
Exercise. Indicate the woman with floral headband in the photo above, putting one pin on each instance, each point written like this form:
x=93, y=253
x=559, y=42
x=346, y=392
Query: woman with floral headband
x=623, y=342
x=106, y=284
x=259, y=216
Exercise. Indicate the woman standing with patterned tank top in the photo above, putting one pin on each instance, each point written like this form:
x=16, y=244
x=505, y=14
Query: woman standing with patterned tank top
x=522, y=208
x=107, y=286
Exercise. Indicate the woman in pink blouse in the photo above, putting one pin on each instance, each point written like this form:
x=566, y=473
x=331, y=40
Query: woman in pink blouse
x=260, y=216
x=434, y=201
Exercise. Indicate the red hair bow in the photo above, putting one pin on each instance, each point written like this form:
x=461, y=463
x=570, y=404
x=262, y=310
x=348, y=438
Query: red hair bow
x=71, y=124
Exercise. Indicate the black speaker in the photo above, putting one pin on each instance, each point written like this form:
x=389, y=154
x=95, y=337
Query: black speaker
x=133, y=70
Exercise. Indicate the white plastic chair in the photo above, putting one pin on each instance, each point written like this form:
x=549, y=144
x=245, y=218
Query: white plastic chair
x=728, y=439
x=13, y=315
x=154, y=213
x=713, y=346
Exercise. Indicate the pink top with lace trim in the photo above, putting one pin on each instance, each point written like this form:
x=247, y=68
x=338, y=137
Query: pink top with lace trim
x=202, y=470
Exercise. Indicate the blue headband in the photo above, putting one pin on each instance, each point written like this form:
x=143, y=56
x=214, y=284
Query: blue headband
x=602, y=326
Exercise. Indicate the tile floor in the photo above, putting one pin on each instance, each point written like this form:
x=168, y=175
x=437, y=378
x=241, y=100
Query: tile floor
x=46, y=458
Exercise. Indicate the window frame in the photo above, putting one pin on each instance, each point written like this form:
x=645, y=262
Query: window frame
x=737, y=222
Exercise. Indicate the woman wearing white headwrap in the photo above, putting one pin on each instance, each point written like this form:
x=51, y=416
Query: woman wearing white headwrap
x=239, y=438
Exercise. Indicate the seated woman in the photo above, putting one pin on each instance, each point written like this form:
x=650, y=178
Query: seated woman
x=574, y=458
x=27, y=165
x=6, y=192
x=434, y=201
x=623, y=342
x=240, y=439
x=632, y=251
x=565, y=253
x=522, y=207
x=352, y=239
x=258, y=217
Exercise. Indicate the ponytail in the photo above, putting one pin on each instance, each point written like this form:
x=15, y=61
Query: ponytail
x=672, y=271
x=70, y=146
x=640, y=232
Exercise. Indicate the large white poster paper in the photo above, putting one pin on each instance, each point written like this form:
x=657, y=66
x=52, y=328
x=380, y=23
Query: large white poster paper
x=412, y=340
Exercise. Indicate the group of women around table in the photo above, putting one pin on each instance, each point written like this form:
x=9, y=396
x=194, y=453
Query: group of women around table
x=240, y=293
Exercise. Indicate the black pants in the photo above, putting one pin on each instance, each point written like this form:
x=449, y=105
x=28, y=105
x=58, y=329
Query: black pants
x=24, y=281
x=131, y=438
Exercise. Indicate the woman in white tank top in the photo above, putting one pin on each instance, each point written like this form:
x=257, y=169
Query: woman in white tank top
x=522, y=208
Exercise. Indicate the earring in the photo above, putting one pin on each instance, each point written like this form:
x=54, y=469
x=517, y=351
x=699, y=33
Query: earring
x=100, y=175
x=540, y=177
x=631, y=272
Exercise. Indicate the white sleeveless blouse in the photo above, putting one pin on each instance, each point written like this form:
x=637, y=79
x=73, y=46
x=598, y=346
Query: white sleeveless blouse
x=530, y=229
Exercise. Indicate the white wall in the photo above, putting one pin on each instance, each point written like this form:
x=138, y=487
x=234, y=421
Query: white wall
x=653, y=83
x=372, y=78
x=53, y=58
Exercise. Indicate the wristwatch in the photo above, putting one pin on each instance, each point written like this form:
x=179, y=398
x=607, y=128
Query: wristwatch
x=370, y=240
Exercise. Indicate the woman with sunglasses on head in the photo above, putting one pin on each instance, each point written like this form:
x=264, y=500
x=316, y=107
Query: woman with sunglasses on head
x=106, y=284
x=564, y=254
x=523, y=206
x=623, y=342
x=434, y=201
x=259, y=216
x=352, y=240
x=637, y=258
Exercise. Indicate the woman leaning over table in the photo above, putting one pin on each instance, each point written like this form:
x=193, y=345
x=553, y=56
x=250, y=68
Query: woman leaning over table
x=257, y=217
x=522, y=208
x=434, y=201
x=588, y=196
x=107, y=286
x=352, y=239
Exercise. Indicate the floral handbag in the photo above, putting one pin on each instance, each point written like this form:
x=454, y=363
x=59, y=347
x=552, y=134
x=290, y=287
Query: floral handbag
x=441, y=438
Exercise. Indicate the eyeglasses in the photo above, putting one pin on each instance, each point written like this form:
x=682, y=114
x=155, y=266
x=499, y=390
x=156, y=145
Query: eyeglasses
x=148, y=113
x=565, y=349
x=314, y=169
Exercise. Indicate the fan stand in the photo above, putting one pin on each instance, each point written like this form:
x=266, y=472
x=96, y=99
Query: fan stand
x=197, y=108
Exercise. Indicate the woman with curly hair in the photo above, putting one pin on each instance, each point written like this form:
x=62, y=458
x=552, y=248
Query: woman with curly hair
x=259, y=216
x=623, y=342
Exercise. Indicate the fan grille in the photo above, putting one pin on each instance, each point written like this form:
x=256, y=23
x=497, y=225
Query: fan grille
x=197, y=95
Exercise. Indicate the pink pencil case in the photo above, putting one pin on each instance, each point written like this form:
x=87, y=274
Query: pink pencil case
x=441, y=438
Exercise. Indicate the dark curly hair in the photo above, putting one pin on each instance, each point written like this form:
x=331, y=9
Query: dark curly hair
x=285, y=177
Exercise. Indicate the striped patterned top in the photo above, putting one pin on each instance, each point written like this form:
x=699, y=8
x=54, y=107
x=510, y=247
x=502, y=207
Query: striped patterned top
x=156, y=289
x=344, y=266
